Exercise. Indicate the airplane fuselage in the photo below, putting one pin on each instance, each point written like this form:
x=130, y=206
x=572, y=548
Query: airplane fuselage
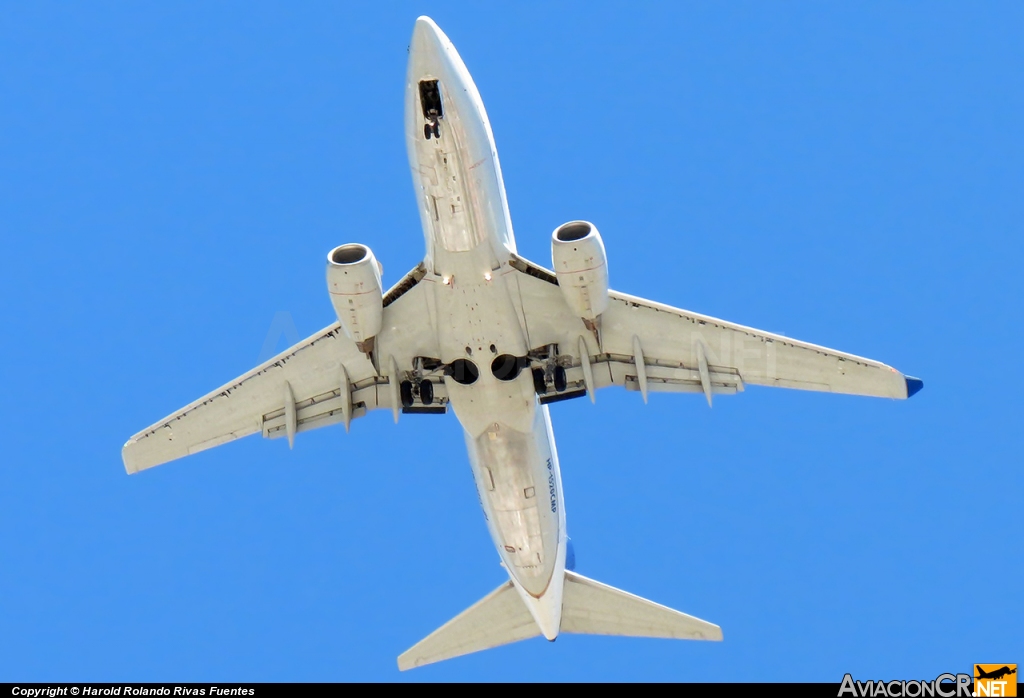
x=469, y=242
x=501, y=337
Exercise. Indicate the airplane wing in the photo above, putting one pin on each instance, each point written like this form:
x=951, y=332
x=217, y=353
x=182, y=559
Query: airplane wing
x=302, y=388
x=650, y=347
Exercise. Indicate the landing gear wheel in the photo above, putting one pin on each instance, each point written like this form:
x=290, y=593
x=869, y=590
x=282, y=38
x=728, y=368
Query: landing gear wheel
x=405, y=388
x=426, y=392
x=437, y=130
x=427, y=131
x=561, y=382
x=538, y=381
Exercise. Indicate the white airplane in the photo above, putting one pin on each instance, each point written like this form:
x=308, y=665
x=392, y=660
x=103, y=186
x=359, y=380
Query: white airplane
x=478, y=328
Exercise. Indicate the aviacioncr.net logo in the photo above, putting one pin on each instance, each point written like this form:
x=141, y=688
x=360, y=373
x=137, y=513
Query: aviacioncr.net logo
x=995, y=680
x=943, y=686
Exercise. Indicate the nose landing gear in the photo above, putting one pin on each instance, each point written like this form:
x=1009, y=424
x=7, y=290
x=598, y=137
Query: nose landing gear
x=433, y=110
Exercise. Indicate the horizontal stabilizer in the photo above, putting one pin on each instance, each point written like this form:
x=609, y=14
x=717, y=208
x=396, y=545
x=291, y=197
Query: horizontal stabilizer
x=497, y=619
x=592, y=608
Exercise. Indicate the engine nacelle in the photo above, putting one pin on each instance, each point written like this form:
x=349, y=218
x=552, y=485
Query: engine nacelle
x=353, y=278
x=577, y=253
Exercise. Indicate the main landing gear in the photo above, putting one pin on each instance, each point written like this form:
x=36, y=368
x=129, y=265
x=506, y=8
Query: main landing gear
x=549, y=379
x=558, y=378
x=409, y=391
x=561, y=382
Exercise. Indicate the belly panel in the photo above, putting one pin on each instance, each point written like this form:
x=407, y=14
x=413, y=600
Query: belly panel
x=517, y=477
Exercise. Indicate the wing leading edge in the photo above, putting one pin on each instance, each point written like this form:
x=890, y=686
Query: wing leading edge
x=322, y=380
x=650, y=347
x=308, y=375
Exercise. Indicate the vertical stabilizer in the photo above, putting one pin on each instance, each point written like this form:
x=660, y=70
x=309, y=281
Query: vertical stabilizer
x=592, y=608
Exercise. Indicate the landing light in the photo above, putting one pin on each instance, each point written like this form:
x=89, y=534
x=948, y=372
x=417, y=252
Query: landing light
x=487, y=276
x=446, y=280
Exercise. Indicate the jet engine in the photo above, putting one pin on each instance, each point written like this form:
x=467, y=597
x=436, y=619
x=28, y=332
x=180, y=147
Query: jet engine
x=577, y=253
x=353, y=278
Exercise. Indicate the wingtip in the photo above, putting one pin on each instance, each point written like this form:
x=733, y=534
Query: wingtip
x=126, y=457
x=914, y=385
x=407, y=661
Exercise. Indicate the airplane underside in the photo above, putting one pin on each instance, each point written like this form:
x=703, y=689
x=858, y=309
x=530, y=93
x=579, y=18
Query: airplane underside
x=477, y=329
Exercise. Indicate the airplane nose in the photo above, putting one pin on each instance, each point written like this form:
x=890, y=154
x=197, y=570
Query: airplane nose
x=427, y=37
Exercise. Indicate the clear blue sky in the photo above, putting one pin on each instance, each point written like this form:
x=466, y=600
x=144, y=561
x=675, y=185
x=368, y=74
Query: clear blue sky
x=172, y=175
